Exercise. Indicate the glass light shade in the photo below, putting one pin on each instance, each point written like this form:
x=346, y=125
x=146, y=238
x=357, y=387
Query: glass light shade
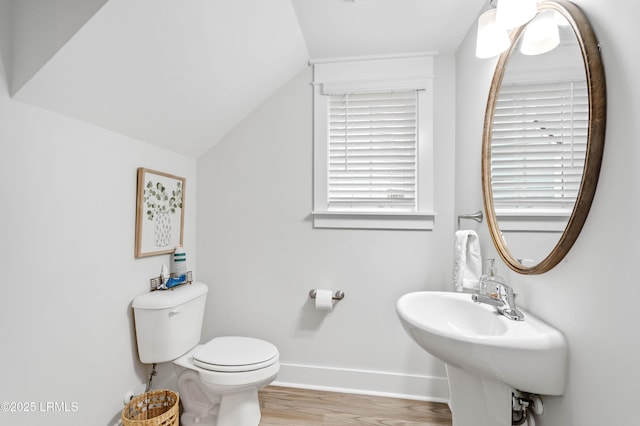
x=541, y=35
x=491, y=39
x=513, y=13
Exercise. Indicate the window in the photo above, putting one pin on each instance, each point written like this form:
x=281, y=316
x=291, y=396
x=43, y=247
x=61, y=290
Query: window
x=538, y=148
x=373, y=144
x=373, y=151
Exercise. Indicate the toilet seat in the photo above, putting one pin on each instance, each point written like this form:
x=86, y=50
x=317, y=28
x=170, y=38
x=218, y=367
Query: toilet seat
x=235, y=354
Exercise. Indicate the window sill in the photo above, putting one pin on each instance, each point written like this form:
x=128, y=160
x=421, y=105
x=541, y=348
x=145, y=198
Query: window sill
x=422, y=221
x=535, y=221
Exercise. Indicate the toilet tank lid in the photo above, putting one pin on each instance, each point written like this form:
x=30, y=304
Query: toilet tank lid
x=163, y=299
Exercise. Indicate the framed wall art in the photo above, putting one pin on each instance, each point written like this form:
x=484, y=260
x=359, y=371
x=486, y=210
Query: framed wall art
x=159, y=212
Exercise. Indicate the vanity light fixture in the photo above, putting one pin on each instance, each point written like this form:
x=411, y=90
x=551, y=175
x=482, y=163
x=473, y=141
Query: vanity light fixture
x=541, y=34
x=491, y=39
x=494, y=23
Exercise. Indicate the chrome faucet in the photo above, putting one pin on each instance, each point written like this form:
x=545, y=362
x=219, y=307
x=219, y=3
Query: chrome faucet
x=502, y=297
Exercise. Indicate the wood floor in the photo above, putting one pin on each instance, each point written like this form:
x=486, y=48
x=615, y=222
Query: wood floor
x=302, y=407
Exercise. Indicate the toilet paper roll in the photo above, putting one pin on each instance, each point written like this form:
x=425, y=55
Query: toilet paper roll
x=324, y=300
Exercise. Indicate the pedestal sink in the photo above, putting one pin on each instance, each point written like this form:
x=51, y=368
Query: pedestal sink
x=487, y=355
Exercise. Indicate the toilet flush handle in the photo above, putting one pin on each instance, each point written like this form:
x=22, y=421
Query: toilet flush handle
x=174, y=312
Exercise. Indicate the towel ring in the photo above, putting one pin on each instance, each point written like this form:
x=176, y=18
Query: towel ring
x=477, y=216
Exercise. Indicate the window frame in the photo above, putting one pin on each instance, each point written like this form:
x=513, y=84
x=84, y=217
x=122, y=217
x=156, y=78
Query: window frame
x=369, y=75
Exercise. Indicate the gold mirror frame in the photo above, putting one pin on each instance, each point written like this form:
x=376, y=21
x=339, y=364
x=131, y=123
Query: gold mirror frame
x=595, y=78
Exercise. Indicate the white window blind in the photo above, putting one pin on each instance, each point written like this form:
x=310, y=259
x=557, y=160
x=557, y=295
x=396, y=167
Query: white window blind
x=538, y=145
x=373, y=151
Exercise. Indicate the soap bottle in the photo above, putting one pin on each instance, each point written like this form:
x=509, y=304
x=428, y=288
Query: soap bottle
x=489, y=280
x=179, y=262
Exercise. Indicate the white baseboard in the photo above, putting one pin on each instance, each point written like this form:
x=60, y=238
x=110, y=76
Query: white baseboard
x=366, y=382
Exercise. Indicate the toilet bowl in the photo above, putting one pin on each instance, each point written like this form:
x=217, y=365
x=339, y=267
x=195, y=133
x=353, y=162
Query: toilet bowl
x=218, y=382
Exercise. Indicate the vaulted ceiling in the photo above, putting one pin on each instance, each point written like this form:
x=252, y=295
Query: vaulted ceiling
x=180, y=74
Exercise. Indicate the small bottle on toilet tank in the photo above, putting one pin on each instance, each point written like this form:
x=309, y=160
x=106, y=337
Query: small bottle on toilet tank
x=179, y=262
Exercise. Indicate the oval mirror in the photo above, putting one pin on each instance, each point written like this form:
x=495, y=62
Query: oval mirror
x=543, y=138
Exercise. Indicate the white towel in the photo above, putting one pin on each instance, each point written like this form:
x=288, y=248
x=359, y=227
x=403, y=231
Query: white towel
x=467, y=267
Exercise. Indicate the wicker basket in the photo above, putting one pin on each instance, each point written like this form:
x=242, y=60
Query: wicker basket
x=155, y=408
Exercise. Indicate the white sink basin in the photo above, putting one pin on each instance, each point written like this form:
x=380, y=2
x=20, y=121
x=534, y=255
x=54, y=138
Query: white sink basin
x=529, y=355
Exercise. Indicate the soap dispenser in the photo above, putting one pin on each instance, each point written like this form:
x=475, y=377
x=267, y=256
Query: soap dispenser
x=489, y=280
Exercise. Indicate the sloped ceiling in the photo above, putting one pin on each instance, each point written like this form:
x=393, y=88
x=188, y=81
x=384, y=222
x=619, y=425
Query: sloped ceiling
x=41, y=28
x=338, y=28
x=180, y=74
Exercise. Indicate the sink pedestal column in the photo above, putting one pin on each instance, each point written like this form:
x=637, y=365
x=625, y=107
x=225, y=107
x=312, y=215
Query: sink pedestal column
x=475, y=401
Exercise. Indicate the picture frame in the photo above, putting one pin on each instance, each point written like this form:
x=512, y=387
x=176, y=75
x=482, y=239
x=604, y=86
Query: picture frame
x=159, y=212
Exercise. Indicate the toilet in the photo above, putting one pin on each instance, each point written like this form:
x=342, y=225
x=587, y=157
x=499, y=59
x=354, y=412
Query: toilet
x=218, y=381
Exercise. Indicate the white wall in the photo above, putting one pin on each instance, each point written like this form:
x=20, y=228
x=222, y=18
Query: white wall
x=68, y=271
x=593, y=295
x=260, y=255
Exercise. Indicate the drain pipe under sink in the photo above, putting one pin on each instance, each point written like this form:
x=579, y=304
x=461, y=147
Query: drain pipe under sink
x=523, y=405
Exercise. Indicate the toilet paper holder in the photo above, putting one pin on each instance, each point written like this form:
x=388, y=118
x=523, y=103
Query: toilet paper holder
x=338, y=295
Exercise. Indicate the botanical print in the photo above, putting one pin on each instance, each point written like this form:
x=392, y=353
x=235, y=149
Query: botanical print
x=160, y=204
x=160, y=214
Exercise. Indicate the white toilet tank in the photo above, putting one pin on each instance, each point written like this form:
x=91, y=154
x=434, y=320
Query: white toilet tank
x=168, y=322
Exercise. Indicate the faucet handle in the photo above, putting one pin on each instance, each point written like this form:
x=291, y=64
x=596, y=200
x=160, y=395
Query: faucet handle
x=507, y=291
x=504, y=287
